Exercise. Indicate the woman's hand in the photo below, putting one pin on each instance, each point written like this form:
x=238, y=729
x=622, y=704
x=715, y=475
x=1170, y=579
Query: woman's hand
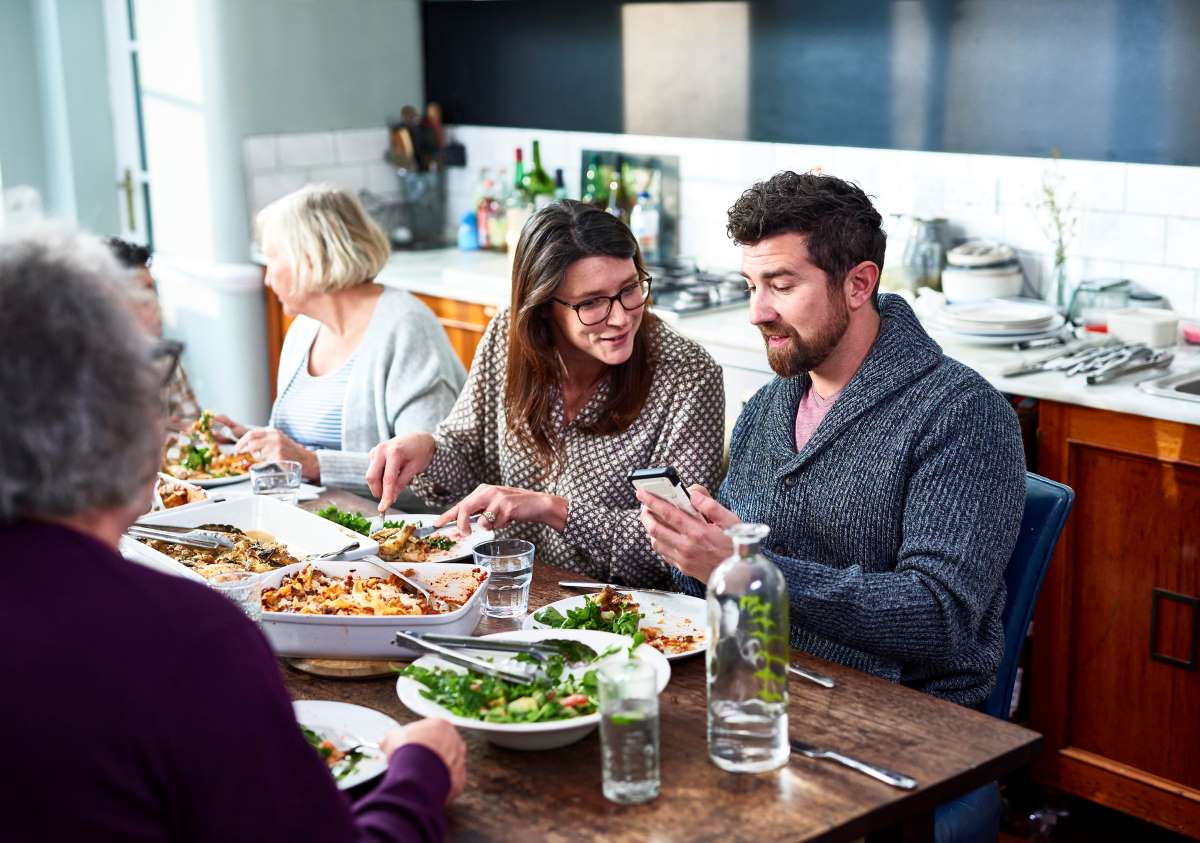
x=504, y=505
x=396, y=462
x=239, y=430
x=269, y=445
x=440, y=737
x=693, y=545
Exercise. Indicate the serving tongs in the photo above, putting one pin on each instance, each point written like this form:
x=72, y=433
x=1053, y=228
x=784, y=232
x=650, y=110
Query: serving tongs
x=572, y=651
x=187, y=536
x=1136, y=360
x=456, y=657
x=1066, y=359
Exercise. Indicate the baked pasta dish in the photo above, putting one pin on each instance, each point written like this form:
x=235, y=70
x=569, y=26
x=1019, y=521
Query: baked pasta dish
x=196, y=455
x=258, y=553
x=313, y=592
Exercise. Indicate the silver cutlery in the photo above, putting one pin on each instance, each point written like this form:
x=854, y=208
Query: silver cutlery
x=436, y=603
x=462, y=660
x=572, y=651
x=425, y=532
x=334, y=553
x=886, y=776
x=819, y=678
x=596, y=586
x=189, y=538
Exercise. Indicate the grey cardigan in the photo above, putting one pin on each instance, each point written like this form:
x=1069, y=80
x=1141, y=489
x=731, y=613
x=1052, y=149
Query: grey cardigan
x=405, y=378
x=894, y=524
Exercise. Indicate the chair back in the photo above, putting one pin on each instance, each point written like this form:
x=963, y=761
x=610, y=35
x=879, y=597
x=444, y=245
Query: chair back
x=1046, y=506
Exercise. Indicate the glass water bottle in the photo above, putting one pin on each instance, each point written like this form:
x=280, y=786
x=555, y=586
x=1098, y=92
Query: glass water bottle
x=747, y=658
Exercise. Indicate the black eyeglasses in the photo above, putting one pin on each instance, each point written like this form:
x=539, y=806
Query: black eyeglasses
x=164, y=356
x=593, y=311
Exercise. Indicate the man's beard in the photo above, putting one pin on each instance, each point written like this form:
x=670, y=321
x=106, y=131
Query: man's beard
x=800, y=355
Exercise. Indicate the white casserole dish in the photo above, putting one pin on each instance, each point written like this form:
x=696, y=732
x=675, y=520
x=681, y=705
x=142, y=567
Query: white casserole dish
x=302, y=533
x=364, y=636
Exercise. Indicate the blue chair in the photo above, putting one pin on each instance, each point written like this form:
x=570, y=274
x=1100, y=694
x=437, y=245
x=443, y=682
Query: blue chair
x=1046, y=506
x=975, y=816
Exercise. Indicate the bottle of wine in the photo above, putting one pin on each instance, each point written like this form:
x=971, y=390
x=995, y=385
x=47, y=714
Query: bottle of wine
x=560, y=187
x=518, y=207
x=595, y=189
x=537, y=182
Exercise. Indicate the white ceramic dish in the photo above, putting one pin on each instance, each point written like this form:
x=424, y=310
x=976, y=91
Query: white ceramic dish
x=213, y=482
x=463, y=547
x=348, y=725
x=674, y=614
x=293, y=635
x=530, y=736
x=303, y=533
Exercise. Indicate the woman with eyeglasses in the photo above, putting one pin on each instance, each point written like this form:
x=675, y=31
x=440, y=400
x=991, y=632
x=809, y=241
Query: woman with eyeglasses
x=572, y=387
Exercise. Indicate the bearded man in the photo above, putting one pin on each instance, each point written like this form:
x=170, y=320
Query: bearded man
x=892, y=477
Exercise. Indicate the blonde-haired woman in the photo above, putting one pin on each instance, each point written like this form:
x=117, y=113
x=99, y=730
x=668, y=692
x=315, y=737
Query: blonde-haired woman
x=361, y=363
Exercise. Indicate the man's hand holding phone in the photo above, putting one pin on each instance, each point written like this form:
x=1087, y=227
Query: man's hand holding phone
x=692, y=539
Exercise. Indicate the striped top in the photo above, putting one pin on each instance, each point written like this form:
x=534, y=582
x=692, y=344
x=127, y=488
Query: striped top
x=310, y=409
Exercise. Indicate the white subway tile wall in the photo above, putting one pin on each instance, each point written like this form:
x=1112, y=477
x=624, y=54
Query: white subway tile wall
x=1134, y=220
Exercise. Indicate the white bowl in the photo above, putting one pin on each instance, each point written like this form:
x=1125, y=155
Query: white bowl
x=302, y=533
x=962, y=285
x=294, y=635
x=530, y=736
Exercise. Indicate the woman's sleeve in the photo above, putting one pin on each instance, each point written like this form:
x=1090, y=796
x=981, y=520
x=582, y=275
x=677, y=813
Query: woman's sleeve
x=691, y=441
x=248, y=742
x=467, y=440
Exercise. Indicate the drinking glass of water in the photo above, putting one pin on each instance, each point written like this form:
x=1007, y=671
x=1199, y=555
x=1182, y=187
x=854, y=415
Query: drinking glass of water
x=510, y=566
x=242, y=587
x=629, y=730
x=279, y=480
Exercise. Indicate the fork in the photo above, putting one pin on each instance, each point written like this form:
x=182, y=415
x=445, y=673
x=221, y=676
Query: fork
x=886, y=776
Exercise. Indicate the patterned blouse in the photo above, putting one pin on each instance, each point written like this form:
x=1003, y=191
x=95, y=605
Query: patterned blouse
x=681, y=425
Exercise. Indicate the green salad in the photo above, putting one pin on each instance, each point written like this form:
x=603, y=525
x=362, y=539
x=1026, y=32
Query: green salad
x=341, y=762
x=355, y=521
x=608, y=611
x=557, y=697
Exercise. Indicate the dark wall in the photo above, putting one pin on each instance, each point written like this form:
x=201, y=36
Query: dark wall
x=1099, y=79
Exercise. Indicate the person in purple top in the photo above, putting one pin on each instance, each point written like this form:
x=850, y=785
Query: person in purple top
x=140, y=706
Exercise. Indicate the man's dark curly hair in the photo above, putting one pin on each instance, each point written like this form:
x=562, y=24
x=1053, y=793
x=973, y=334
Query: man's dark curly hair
x=131, y=255
x=842, y=226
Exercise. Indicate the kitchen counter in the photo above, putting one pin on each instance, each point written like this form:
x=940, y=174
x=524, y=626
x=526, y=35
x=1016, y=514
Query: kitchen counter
x=483, y=278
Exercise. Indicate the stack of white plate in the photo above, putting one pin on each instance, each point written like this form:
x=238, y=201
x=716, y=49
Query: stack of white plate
x=997, y=321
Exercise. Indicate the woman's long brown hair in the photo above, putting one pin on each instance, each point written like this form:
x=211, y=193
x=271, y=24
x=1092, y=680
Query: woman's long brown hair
x=553, y=239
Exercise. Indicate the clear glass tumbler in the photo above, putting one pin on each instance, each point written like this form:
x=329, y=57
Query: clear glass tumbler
x=242, y=587
x=279, y=480
x=510, y=566
x=629, y=731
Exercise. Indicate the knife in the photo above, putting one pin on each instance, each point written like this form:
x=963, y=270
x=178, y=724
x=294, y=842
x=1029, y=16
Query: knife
x=886, y=776
x=819, y=678
x=596, y=586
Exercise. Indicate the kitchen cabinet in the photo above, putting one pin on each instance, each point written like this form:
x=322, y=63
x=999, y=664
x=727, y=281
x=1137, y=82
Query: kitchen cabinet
x=464, y=323
x=1115, y=685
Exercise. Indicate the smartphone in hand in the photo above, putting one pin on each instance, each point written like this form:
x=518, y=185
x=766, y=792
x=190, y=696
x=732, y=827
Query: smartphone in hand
x=663, y=482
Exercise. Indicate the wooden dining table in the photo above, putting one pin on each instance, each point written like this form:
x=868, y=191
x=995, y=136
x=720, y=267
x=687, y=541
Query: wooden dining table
x=555, y=795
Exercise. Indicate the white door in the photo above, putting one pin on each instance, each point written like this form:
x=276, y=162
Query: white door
x=132, y=179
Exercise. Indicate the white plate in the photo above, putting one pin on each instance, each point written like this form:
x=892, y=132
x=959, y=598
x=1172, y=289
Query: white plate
x=293, y=635
x=530, y=736
x=302, y=533
x=347, y=725
x=1000, y=312
x=674, y=614
x=1054, y=323
x=219, y=481
x=463, y=547
x=984, y=339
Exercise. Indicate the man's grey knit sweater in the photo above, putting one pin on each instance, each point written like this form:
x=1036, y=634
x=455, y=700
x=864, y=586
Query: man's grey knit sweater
x=894, y=524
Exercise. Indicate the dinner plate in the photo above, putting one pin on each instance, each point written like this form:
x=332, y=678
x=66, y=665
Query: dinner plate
x=531, y=736
x=213, y=482
x=463, y=547
x=986, y=339
x=674, y=614
x=347, y=725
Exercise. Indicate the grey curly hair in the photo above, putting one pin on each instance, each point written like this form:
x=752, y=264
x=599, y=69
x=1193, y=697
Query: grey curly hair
x=82, y=408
